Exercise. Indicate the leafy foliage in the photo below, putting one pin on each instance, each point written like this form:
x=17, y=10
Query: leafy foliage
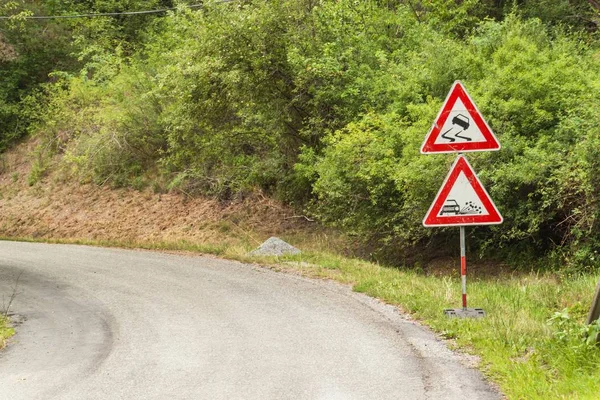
x=324, y=104
x=30, y=50
x=536, y=88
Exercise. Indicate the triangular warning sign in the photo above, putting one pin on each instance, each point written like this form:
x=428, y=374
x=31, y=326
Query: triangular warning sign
x=462, y=200
x=459, y=126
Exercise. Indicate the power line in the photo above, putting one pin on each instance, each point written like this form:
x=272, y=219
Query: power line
x=109, y=14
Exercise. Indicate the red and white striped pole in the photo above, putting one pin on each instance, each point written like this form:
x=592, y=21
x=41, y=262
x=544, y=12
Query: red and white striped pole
x=463, y=267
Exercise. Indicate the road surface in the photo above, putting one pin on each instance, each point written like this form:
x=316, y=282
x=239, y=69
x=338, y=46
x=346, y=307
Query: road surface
x=115, y=324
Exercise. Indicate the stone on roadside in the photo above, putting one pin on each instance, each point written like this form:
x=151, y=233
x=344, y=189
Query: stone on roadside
x=275, y=247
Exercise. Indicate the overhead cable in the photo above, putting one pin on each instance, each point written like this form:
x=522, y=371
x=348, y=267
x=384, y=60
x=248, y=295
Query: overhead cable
x=107, y=14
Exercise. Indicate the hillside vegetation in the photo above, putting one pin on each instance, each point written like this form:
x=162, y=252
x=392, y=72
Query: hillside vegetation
x=226, y=123
x=323, y=105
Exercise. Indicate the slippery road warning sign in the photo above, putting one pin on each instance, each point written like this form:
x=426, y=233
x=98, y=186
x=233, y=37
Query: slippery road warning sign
x=462, y=200
x=459, y=126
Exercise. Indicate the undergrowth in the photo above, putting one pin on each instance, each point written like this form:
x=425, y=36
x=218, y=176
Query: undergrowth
x=324, y=105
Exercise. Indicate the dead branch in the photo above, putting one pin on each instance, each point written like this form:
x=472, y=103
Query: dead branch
x=300, y=216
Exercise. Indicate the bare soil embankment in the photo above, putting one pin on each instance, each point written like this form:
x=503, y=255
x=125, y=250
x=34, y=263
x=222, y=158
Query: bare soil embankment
x=59, y=208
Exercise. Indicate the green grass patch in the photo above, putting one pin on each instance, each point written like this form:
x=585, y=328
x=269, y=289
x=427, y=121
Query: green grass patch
x=533, y=342
x=6, y=331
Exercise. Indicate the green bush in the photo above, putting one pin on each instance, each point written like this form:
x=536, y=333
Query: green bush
x=325, y=104
x=536, y=90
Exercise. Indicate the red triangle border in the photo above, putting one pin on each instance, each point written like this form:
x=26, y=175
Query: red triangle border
x=457, y=91
x=432, y=217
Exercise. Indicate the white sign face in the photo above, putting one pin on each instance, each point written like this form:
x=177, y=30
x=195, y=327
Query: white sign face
x=462, y=199
x=459, y=127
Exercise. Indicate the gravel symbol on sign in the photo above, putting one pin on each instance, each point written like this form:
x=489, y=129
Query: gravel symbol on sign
x=452, y=207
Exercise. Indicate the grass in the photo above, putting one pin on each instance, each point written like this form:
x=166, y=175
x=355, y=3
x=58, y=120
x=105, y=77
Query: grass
x=531, y=342
x=5, y=331
x=528, y=357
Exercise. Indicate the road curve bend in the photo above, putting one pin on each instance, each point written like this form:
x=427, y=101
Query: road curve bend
x=100, y=323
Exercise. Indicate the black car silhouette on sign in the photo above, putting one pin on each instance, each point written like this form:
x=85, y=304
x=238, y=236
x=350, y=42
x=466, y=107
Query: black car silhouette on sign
x=451, y=207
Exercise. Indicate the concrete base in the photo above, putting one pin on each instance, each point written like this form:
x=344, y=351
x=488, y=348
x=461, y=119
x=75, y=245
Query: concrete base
x=464, y=312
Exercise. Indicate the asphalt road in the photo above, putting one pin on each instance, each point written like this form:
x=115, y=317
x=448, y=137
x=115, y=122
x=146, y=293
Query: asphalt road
x=116, y=324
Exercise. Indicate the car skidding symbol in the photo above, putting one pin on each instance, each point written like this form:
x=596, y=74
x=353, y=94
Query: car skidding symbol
x=463, y=124
x=452, y=207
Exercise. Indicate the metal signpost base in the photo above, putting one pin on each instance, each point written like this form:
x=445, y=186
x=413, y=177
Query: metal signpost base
x=464, y=312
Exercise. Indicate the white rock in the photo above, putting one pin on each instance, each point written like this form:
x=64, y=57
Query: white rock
x=275, y=247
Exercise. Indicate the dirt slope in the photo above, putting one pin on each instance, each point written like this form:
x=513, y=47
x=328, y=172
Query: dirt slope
x=64, y=209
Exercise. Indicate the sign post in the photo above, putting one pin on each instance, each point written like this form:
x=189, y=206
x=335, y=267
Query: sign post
x=463, y=266
x=594, y=313
x=462, y=200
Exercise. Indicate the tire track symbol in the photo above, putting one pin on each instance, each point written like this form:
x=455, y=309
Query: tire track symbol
x=464, y=123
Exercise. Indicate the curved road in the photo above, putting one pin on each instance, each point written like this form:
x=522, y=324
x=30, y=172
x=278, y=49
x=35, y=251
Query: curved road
x=115, y=324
